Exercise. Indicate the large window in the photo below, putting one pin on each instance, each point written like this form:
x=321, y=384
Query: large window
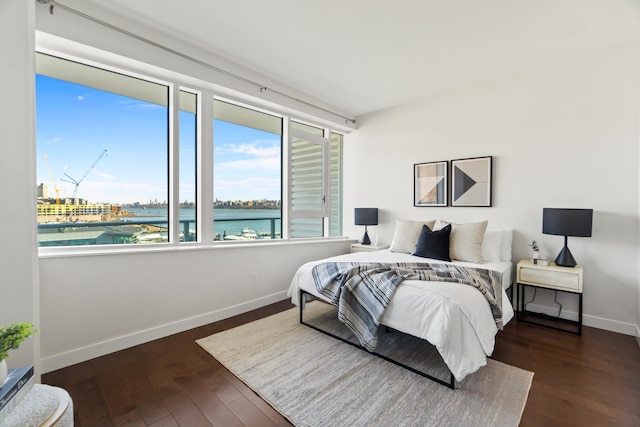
x=102, y=145
x=247, y=172
x=117, y=165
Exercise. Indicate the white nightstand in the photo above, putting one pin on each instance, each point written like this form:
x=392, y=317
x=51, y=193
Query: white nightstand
x=562, y=279
x=359, y=247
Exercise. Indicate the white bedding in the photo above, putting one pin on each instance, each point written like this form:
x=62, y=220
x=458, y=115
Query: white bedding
x=455, y=318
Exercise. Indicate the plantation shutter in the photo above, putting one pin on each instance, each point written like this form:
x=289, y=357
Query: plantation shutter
x=309, y=184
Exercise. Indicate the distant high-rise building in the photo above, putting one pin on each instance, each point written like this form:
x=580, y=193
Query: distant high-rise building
x=43, y=191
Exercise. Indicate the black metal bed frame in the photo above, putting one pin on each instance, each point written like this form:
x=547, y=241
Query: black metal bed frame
x=450, y=384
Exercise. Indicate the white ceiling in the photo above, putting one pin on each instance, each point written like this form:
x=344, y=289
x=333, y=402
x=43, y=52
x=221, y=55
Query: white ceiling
x=365, y=55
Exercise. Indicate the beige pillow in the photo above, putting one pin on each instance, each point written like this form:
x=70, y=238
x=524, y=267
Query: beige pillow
x=465, y=241
x=407, y=234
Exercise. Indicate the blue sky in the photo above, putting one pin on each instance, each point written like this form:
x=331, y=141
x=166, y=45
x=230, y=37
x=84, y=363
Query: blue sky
x=74, y=124
x=247, y=163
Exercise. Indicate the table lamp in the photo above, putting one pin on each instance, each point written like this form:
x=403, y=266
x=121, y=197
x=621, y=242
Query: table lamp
x=366, y=216
x=567, y=222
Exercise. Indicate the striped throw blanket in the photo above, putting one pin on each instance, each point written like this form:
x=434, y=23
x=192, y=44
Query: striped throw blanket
x=362, y=291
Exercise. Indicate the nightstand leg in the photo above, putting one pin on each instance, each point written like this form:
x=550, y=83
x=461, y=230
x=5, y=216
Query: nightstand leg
x=580, y=314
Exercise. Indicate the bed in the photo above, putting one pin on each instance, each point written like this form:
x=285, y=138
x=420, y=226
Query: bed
x=455, y=318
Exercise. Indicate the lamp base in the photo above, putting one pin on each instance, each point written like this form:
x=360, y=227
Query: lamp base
x=365, y=238
x=565, y=258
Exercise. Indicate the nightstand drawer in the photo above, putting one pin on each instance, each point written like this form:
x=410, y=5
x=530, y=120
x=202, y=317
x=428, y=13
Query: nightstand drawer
x=550, y=278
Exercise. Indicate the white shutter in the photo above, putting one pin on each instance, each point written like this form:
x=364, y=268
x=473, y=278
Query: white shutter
x=308, y=184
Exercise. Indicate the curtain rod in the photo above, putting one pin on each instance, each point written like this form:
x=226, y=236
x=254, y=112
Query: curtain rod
x=261, y=87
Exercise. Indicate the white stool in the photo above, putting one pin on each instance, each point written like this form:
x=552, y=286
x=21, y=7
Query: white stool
x=42, y=406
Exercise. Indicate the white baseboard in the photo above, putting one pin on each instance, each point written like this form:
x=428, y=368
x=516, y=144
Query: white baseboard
x=61, y=360
x=588, y=320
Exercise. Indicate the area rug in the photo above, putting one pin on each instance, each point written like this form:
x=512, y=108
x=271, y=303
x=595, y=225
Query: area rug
x=315, y=380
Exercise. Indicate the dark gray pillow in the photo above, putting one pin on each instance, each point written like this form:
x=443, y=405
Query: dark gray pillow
x=434, y=244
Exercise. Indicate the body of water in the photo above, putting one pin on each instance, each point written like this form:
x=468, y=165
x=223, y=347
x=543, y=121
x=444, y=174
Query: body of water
x=229, y=221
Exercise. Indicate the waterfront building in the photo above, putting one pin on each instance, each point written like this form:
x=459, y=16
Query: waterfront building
x=50, y=211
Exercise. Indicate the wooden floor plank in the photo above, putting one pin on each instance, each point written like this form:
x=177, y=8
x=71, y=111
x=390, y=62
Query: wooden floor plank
x=249, y=414
x=588, y=380
x=218, y=413
x=190, y=416
x=150, y=405
x=252, y=397
x=165, y=422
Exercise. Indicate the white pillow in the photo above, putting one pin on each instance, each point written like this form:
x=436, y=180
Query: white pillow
x=492, y=245
x=465, y=240
x=407, y=234
x=507, y=241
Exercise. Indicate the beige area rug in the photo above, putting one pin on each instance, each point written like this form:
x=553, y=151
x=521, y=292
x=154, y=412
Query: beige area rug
x=315, y=380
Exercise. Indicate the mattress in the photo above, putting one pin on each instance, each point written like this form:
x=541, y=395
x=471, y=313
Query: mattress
x=455, y=318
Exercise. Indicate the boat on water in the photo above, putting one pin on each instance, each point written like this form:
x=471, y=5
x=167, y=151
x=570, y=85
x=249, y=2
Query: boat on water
x=245, y=234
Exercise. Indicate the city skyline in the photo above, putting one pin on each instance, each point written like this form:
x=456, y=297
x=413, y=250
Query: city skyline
x=76, y=123
x=44, y=195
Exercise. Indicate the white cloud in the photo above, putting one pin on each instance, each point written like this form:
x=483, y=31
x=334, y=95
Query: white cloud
x=257, y=148
x=84, y=96
x=248, y=156
x=253, y=149
x=270, y=163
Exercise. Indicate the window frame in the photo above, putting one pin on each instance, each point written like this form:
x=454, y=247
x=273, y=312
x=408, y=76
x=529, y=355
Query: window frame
x=206, y=92
x=283, y=132
x=198, y=167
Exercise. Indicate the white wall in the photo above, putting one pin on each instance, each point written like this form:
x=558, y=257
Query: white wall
x=18, y=260
x=565, y=135
x=96, y=304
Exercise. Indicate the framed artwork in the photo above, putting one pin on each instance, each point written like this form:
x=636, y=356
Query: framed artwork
x=430, y=186
x=471, y=181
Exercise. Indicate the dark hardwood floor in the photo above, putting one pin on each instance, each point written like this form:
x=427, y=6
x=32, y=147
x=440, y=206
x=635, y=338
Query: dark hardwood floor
x=592, y=380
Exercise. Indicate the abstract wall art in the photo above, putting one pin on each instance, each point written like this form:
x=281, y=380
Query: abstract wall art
x=430, y=185
x=471, y=181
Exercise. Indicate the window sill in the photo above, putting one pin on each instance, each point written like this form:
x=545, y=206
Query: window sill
x=70, y=252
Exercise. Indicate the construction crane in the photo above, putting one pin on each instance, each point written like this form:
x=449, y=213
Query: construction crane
x=77, y=183
x=53, y=181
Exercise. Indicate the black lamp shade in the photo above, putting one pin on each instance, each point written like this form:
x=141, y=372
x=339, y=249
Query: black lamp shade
x=567, y=222
x=366, y=216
